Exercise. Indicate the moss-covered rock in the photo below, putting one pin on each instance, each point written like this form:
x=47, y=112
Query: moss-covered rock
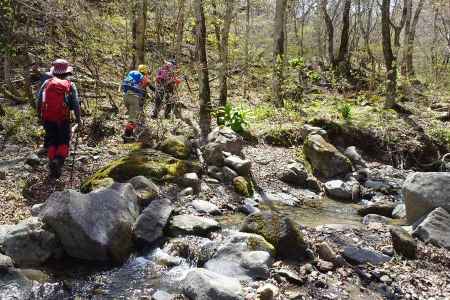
x=149, y=163
x=242, y=186
x=284, y=136
x=101, y=183
x=325, y=159
x=177, y=146
x=281, y=232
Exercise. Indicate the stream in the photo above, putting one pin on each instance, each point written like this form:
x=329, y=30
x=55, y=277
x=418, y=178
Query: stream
x=141, y=275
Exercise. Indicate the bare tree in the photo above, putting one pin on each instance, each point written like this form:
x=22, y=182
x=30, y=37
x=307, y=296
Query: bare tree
x=278, y=51
x=409, y=37
x=139, y=27
x=203, y=76
x=389, y=58
x=342, y=61
x=180, y=27
x=330, y=30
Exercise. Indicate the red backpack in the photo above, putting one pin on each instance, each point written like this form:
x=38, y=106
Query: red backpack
x=54, y=106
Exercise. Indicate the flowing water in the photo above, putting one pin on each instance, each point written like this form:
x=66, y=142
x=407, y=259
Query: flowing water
x=141, y=275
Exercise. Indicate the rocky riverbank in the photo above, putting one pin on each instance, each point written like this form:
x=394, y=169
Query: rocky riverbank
x=256, y=222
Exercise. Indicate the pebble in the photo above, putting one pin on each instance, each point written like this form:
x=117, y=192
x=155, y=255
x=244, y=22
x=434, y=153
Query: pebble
x=267, y=292
x=326, y=252
x=325, y=266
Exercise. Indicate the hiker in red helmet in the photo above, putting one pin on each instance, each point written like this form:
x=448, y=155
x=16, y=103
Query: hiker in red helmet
x=166, y=84
x=57, y=97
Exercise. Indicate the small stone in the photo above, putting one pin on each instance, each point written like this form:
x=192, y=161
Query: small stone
x=191, y=180
x=382, y=209
x=267, y=292
x=37, y=208
x=205, y=207
x=242, y=186
x=372, y=218
x=33, y=160
x=386, y=279
x=399, y=211
x=215, y=172
x=403, y=242
x=359, y=256
x=6, y=262
x=388, y=250
x=338, y=189
x=192, y=225
x=241, y=166
x=189, y=191
x=290, y=276
x=229, y=174
x=2, y=174
x=326, y=252
x=325, y=266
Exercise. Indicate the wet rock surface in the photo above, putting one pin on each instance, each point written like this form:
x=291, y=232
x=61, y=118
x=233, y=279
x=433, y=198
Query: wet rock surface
x=435, y=228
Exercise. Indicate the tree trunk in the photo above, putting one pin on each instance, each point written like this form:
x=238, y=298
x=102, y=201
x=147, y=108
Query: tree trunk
x=389, y=58
x=246, y=47
x=345, y=35
x=223, y=53
x=203, y=77
x=139, y=27
x=180, y=28
x=410, y=34
x=278, y=52
x=330, y=30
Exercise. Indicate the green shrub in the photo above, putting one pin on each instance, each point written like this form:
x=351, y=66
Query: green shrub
x=346, y=111
x=231, y=117
x=20, y=125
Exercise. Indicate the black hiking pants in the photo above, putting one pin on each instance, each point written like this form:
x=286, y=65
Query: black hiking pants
x=57, y=139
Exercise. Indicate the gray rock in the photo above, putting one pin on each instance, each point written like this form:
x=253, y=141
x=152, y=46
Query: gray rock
x=313, y=184
x=219, y=140
x=309, y=130
x=215, y=172
x=325, y=266
x=435, y=228
x=403, y=242
x=162, y=258
x=150, y=225
x=162, y=295
x=229, y=174
x=191, y=180
x=281, y=232
x=241, y=166
x=205, y=207
x=325, y=159
x=355, y=158
x=424, y=192
x=6, y=263
x=95, y=226
x=379, y=208
x=33, y=160
x=145, y=189
x=177, y=146
x=295, y=174
x=192, y=225
x=243, y=256
x=189, y=191
x=36, y=209
x=338, y=189
x=250, y=206
x=201, y=284
x=372, y=218
x=29, y=244
x=326, y=252
x=399, y=211
x=359, y=256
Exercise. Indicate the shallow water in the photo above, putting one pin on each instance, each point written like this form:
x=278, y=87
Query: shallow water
x=311, y=214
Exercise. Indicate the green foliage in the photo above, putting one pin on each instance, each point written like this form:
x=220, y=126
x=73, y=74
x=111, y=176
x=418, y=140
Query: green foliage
x=263, y=112
x=231, y=117
x=441, y=135
x=346, y=111
x=20, y=125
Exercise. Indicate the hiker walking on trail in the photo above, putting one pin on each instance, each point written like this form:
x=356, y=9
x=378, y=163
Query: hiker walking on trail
x=56, y=98
x=134, y=88
x=166, y=84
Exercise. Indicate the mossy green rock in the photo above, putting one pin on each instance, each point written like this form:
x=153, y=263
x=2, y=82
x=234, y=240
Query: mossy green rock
x=101, y=183
x=325, y=159
x=177, y=146
x=149, y=163
x=285, y=135
x=242, y=186
x=281, y=232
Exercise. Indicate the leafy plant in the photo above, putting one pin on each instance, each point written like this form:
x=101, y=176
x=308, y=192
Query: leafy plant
x=346, y=111
x=231, y=117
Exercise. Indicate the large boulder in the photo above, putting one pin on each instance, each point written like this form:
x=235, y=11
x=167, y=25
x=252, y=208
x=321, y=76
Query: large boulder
x=192, y=225
x=96, y=226
x=221, y=139
x=150, y=224
x=30, y=244
x=341, y=190
x=435, y=229
x=325, y=159
x=177, y=146
x=424, y=192
x=244, y=256
x=355, y=158
x=381, y=208
x=281, y=232
x=149, y=163
x=241, y=166
x=201, y=284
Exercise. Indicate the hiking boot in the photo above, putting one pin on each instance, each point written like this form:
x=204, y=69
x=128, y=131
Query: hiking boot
x=59, y=163
x=52, y=166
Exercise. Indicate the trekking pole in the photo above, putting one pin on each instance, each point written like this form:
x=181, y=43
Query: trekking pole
x=75, y=149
